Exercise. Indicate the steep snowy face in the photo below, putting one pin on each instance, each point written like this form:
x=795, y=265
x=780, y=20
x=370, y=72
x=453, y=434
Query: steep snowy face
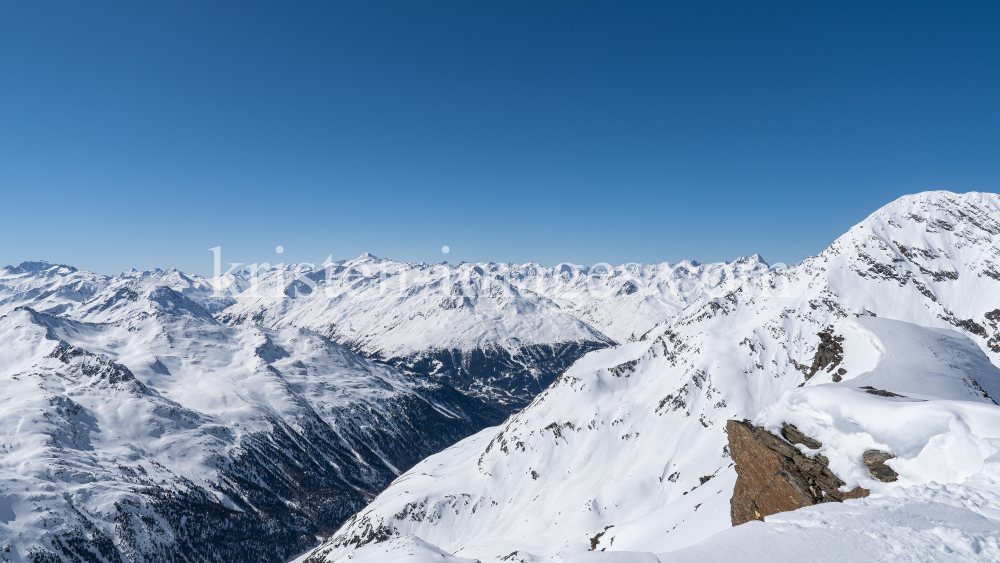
x=931, y=258
x=883, y=341
x=138, y=427
x=500, y=332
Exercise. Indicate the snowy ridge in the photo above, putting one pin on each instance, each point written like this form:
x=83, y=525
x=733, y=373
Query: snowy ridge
x=135, y=425
x=627, y=451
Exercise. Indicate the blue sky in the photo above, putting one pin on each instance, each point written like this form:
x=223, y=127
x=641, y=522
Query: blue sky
x=140, y=134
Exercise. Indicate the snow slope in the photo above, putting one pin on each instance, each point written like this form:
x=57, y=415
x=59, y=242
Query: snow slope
x=134, y=425
x=627, y=451
x=501, y=332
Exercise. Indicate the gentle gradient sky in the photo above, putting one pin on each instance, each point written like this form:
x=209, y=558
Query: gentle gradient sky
x=140, y=134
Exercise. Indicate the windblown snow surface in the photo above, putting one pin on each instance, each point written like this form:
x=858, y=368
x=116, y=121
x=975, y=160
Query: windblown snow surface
x=624, y=458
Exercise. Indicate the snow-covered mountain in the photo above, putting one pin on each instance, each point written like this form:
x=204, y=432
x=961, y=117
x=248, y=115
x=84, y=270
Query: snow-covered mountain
x=58, y=289
x=501, y=332
x=136, y=427
x=52, y=288
x=886, y=340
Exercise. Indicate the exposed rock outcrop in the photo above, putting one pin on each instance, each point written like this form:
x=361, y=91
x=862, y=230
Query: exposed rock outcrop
x=774, y=476
x=829, y=354
x=875, y=462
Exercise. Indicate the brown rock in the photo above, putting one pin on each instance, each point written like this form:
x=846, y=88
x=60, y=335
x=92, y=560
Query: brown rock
x=773, y=476
x=881, y=392
x=875, y=462
x=793, y=435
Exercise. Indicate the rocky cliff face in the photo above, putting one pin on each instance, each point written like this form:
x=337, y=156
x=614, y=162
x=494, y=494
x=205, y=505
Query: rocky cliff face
x=774, y=476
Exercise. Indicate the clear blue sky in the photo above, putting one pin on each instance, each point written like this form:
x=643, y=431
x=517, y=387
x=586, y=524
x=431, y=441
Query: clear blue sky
x=140, y=134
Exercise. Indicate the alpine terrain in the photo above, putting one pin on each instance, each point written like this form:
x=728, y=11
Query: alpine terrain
x=867, y=373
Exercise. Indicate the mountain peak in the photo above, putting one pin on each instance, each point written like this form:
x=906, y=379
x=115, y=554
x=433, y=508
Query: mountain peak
x=41, y=266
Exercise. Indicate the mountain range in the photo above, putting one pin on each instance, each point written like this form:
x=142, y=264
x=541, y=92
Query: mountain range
x=499, y=332
x=505, y=412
